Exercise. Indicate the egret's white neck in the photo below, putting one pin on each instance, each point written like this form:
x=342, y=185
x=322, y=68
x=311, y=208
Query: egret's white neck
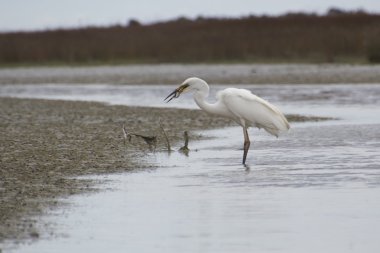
x=200, y=98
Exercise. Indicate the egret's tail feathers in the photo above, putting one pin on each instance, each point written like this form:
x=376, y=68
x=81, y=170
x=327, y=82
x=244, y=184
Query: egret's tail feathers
x=278, y=125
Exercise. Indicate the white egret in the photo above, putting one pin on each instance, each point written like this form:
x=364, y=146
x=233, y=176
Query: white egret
x=240, y=105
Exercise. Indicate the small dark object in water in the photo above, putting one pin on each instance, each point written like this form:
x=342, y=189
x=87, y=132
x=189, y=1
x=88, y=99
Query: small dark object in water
x=185, y=149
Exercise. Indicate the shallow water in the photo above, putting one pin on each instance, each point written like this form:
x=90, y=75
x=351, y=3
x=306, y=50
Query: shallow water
x=153, y=95
x=350, y=101
x=316, y=189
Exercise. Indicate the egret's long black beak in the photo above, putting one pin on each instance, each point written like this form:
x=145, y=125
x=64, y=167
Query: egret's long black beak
x=172, y=95
x=176, y=92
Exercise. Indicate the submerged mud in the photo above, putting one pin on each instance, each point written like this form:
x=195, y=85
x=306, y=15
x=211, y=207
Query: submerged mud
x=45, y=145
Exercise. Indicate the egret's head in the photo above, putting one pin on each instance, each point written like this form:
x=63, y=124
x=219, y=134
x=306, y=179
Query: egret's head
x=192, y=83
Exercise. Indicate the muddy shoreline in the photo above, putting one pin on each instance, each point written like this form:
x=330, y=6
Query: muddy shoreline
x=45, y=145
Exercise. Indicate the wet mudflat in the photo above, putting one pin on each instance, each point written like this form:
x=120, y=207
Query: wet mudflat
x=314, y=190
x=214, y=73
x=46, y=144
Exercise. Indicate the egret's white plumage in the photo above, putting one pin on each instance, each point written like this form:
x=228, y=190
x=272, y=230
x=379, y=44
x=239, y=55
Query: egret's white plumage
x=249, y=110
x=240, y=105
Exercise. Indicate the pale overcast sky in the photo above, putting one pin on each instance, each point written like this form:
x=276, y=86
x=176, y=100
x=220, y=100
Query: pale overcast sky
x=42, y=14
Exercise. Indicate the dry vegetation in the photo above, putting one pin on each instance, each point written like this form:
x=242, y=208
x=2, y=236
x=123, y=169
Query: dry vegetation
x=335, y=37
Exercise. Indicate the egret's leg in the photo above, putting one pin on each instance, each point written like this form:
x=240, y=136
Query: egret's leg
x=247, y=143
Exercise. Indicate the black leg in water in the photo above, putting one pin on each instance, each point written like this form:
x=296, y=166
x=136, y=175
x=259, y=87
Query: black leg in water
x=247, y=143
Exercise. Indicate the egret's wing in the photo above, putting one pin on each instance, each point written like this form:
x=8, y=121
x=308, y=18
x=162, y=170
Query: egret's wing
x=252, y=110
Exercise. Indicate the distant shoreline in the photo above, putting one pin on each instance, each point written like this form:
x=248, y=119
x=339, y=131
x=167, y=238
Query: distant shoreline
x=213, y=73
x=336, y=37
